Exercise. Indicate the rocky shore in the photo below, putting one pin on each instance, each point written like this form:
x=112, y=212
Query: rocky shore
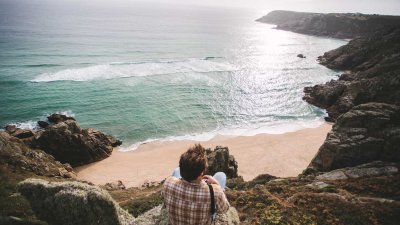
x=353, y=179
x=337, y=25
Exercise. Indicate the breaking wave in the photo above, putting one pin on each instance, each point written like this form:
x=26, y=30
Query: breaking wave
x=124, y=70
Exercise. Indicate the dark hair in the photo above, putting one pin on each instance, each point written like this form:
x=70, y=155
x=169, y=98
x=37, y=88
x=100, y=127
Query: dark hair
x=193, y=162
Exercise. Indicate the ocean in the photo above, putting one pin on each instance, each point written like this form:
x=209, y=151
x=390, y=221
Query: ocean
x=145, y=71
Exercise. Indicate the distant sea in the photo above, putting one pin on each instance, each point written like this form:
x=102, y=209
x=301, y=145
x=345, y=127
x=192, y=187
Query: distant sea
x=146, y=72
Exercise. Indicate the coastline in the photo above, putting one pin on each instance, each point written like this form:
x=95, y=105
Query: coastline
x=282, y=155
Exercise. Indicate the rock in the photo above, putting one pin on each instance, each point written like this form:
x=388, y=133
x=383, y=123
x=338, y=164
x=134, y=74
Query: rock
x=219, y=160
x=301, y=56
x=66, y=174
x=66, y=203
x=23, y=133
x=43, y=124
x=56, y=118
x=69, y=143
x=156, y=216
x=10, y=129
x=116, y=185
x=377, y=168
x=368, y=132
x=12, y=220
x=338, y=25
x=159, y=216
x=318, y=185
x=15, y=155
x=372, y=68
x=333, y=175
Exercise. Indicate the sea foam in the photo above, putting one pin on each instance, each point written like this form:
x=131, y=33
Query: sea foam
x=277, y=127
x=124, y=70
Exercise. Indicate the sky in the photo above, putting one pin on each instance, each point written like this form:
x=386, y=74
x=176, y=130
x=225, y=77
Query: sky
x=388, y=7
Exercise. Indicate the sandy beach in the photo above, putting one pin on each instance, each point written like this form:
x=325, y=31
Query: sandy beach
x=280, y=155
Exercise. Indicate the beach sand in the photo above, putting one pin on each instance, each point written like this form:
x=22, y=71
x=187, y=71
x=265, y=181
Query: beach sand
x=281, y=155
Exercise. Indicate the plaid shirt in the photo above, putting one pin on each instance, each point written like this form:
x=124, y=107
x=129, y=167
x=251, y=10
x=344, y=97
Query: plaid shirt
x=189, y=203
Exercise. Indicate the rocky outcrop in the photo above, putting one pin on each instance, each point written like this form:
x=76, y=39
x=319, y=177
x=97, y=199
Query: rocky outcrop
x=69, y=143
x=366, y=133
x=16, y=156
x=307, y=199
x=116, y=185
x=372, y=74
x=66, y=203
x=219, y=160
x=377, y=168
x=338, y=25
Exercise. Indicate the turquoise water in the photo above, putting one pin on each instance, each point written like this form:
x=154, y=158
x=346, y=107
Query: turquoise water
x=145, y=71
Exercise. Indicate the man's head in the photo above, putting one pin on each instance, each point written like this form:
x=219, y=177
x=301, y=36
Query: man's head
x=193, y=162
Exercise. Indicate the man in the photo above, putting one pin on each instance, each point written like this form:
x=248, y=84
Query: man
x=187, y=195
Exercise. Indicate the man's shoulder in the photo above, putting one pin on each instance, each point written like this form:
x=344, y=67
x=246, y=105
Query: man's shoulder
x=217, y=189
x=171, y=181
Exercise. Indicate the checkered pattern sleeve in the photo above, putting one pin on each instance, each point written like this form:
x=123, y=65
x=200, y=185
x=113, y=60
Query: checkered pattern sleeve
x=221, y=203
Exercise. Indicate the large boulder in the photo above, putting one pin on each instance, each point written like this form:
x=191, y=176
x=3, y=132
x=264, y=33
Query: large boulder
x=368, y=132
x=72, y=203
x=219, y=160
x=69, y=143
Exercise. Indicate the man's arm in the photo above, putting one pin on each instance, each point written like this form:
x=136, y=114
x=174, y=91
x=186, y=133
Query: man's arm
x=221, y=201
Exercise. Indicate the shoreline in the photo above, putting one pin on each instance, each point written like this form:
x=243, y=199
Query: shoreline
x=281, y=155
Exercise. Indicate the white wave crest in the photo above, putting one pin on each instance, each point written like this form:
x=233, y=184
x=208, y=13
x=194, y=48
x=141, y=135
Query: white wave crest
x=123, y=70
x=31, y=125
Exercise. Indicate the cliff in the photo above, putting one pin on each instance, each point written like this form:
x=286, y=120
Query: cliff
x=337, y=25
x=372, y=74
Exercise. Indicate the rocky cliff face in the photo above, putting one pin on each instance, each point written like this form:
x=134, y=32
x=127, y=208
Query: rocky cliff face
x=373, y=74
x=338, y=25
x=366, y=133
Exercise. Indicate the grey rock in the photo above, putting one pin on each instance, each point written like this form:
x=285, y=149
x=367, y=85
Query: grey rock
x=377, y=168
x=318, y=185
x=333, y=175
x=69, y=143
x=116, y=185
x=72, y=203
x=367, y=133
x=301, y=56
x=219, y=160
